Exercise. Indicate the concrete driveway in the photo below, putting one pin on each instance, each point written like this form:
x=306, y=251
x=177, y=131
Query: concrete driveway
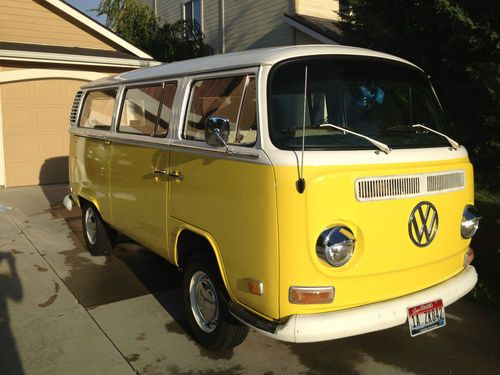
x=65, y=312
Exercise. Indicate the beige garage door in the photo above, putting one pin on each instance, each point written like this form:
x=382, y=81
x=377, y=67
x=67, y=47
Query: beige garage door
x=35, y=130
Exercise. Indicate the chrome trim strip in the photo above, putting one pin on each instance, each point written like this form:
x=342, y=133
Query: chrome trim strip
x=89, y=133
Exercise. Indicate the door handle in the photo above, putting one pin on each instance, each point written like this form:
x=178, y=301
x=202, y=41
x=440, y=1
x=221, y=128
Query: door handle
x=160, y=172
x=176, y=174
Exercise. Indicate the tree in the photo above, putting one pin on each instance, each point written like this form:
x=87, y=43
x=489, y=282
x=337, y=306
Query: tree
x=137, y=24
x=457, y=43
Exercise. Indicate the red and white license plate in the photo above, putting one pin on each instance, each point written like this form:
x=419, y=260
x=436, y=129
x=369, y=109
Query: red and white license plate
x=426, y=317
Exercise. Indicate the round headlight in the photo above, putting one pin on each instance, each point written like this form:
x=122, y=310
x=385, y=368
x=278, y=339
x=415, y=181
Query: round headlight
x=336, y=245
x=470, y=221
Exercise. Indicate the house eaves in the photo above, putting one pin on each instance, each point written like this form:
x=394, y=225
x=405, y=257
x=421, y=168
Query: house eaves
x=323, y=30
x=71, y=55
x=97, y=27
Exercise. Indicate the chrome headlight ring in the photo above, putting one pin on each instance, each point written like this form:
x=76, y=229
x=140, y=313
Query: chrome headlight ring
x=470, y=222
x=336, y=245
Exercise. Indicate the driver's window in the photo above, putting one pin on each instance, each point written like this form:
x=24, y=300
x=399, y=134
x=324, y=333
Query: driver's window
x=229, y=97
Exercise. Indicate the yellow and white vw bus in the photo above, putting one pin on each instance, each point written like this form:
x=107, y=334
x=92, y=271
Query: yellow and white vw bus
x=309, y=192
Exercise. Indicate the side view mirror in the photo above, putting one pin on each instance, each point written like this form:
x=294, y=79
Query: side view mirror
x=217, y=131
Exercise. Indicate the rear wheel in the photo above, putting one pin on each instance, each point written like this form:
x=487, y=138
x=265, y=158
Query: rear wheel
x=205, y=299
x=99, y=237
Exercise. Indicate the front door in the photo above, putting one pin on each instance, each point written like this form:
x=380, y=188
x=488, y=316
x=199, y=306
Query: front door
x=139, y=165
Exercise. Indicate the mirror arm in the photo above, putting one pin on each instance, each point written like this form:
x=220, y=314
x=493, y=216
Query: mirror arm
x=217, y=134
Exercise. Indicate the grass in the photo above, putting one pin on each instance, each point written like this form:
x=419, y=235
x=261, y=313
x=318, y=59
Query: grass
x=486, y=245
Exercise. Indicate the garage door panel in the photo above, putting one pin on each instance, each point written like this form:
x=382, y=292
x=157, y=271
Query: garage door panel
x=21, y=146
x=54, y=170
x=51, y=118
x=52, y=145
x=22, y=172
x=49, y=91
x=35, y=127
x=18, y=92
x=18, y=118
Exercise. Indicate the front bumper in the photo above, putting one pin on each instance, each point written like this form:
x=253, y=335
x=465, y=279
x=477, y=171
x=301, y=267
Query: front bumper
x=68, y=202
x=373, y=317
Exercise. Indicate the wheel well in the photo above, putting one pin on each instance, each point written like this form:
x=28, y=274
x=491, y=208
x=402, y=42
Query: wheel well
x=190, y=244
x=86, y=202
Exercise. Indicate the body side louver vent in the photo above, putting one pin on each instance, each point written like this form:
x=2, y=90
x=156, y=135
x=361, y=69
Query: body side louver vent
x=406, y=186
x=74, y=108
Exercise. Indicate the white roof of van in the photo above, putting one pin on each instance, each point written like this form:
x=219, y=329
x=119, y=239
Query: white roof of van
x=249, y=58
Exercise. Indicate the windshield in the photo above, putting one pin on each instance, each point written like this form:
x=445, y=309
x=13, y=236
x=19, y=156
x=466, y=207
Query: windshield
x=373, y=97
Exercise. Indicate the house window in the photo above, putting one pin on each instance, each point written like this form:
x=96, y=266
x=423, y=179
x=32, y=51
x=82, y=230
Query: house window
x=192, y=11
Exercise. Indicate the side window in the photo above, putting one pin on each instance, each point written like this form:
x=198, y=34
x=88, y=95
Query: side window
x=141, y=112
x=98, y=109
x=230, y=97
x=166, y=109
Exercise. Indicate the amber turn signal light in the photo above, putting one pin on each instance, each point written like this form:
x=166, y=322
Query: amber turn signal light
x=255, y=287
x=311, y=295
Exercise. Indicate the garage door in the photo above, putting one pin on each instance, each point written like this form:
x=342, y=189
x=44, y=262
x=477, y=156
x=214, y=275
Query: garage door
x=35, y=130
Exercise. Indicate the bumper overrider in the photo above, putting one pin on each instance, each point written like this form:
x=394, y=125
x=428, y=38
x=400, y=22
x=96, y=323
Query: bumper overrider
x=369, y=318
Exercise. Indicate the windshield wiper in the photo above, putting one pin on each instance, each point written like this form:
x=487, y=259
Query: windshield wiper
x=452, y=142
x=381, y=146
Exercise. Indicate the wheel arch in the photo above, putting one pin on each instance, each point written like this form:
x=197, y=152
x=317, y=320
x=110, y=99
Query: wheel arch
x=191, y=241
x=83, y=199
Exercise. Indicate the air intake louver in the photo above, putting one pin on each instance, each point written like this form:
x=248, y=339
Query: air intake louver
x=74, y=108
x=445, y=182
x=406, y=186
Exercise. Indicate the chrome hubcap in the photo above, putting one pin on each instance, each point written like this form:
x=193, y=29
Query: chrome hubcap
x=204, y=303
x=90, y=225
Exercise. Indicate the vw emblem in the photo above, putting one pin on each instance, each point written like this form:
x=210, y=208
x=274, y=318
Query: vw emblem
x=423, y=224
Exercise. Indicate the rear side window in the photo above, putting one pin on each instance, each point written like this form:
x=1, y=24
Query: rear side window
x=142, y=113
x=98, y=109
x=229, y=97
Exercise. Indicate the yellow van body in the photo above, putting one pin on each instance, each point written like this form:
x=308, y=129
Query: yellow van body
x=262, y=231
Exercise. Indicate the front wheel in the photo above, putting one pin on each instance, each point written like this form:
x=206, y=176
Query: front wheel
x=99, y=237
x=206, y=308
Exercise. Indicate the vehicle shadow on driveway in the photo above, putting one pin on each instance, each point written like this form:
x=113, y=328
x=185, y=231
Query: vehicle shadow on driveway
x=131, y=271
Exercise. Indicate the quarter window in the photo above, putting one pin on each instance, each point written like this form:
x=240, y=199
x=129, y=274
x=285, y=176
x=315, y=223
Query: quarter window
x=229, y=97
x=141, y=112
x=98, y=109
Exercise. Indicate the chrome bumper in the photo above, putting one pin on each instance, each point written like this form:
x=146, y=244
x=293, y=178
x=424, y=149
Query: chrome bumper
x=68, y=202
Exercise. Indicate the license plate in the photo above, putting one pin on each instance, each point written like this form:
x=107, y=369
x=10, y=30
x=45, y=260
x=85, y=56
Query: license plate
x=426, y=317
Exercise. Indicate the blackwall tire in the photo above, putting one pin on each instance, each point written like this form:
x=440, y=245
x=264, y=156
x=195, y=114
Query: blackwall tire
x=205, y=299
x=99, y=237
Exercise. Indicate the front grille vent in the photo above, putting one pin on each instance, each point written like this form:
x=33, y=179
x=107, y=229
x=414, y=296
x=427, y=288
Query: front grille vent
x=406, y=186
x=445, y=182
x=74, y=108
